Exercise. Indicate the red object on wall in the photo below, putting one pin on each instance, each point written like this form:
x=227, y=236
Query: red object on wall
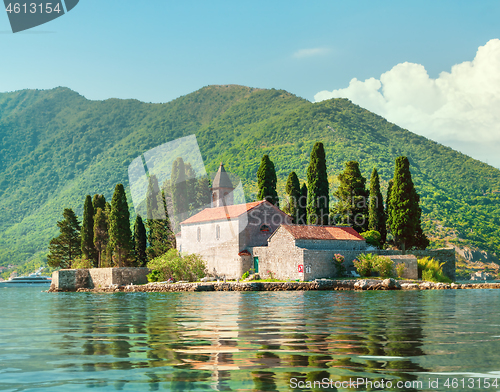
x=301, y=267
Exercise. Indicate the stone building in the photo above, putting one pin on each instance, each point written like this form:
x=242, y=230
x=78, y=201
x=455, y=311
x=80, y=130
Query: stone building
x=305, y=252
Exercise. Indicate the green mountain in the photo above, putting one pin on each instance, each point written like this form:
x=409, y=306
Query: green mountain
x=57, y=146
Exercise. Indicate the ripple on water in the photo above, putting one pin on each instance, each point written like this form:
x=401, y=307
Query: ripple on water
x=243, y=340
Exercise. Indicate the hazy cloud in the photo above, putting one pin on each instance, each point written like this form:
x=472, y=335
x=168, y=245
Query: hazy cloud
x=310, y=52
x=459, y=106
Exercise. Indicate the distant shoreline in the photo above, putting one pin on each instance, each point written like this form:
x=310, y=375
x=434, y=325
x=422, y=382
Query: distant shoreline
x=320, y=285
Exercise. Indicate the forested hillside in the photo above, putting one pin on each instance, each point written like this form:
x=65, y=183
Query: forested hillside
x=58, y=146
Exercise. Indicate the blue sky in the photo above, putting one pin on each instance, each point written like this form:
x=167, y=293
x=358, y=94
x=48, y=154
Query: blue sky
x=158, y=50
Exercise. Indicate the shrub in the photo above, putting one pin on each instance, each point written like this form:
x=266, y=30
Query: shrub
x=383, y=265
x=372, y=237
x=176, y=266
x=368, y=263
x=400, y=270
x=431, y=270
x=245, y=275
x=364, y=264
x=81, y=263
x=338, y=261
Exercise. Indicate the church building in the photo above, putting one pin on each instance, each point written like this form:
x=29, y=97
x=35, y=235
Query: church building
x=234, y=239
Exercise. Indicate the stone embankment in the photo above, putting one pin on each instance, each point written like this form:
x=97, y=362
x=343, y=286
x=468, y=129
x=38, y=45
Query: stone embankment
x=358, y=285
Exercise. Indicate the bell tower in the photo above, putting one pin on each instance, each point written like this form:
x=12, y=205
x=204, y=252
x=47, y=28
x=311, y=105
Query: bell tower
x=222, y=189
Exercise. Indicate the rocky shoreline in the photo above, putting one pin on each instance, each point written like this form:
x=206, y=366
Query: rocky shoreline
x=336, y=285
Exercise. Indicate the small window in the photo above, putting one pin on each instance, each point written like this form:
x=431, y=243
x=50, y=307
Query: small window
x=199, y=234
x=265, y=228
x=217, y=232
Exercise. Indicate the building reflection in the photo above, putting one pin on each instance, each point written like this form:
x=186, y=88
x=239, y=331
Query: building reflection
x=255, y=341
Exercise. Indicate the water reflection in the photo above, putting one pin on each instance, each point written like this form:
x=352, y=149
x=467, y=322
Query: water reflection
x=254, y=341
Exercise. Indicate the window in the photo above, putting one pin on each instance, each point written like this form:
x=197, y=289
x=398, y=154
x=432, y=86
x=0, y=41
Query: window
x=198, y=234
x=217, y=232
x=265, y=228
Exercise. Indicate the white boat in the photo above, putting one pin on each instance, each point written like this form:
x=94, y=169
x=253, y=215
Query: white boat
x=35, y=279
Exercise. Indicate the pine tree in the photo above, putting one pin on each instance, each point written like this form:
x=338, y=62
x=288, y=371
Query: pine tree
x=140, y=242
x=64, y=248
x=353, y=197
x=178, y=187
x=376, y=213
x=318, y=198
x=160, y=235
x=87, y=232
x=267, y=181
x=404, y=209
x=293, y=191
x=101, y=236
x=302, y=205
x=120, y=235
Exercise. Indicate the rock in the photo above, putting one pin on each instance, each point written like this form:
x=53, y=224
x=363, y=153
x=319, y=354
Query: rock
x=361, y=285
x=410, y=286
x=391, y=284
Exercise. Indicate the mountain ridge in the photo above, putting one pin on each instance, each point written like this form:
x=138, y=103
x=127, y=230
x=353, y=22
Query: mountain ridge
x=57, y=146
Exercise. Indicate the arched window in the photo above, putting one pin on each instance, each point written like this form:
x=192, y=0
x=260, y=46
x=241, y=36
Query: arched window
x=198, y=234
x=265, y=228
x=217, y=232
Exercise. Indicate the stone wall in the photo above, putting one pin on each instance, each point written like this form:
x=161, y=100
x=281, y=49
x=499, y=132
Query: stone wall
x=74, y=279
x=282, y=258
x=331, y=244
x=411, y=265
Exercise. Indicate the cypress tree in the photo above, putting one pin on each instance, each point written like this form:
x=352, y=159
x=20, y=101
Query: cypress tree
x=388, y=197
x=101, y=237
x=87, y=232
x=160, y=235
x=178, y=187
x=203, y=193
x=318, y=198
x=353, y=197
x=293, y=191
x=98, y=201
x=140, y=241
x=302, y=205
x=404, y=209
x=267, y=181
x=64, y=248
x=191, y=183
x=376, y=213
x=120, y=235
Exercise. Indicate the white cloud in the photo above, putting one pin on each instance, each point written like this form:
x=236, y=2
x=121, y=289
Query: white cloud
x=299, y=54
x=459, y=106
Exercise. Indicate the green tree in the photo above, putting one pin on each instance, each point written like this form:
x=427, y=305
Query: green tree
x=160, y=235
x=293, y=191
x=203, y=193
x=352, y=205
x=64, y=248
x=191, y=183
x=267, y=181
x=140, y=242
x=178, y=188
x=302, y=205
x=376, y=212
x=120, y=235
x=98, y=201
x=101, y=236
x=404, y=209
x=87, y=232
x=318, y=198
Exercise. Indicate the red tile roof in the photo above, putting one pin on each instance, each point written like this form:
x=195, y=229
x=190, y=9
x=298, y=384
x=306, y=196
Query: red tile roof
x=310, y=232
x=221, y=213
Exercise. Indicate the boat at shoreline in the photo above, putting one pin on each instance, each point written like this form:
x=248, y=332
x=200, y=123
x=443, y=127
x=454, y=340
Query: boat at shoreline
x=35, y=279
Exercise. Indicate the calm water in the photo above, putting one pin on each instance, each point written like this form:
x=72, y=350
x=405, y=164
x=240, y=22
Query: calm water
x=247, y=341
